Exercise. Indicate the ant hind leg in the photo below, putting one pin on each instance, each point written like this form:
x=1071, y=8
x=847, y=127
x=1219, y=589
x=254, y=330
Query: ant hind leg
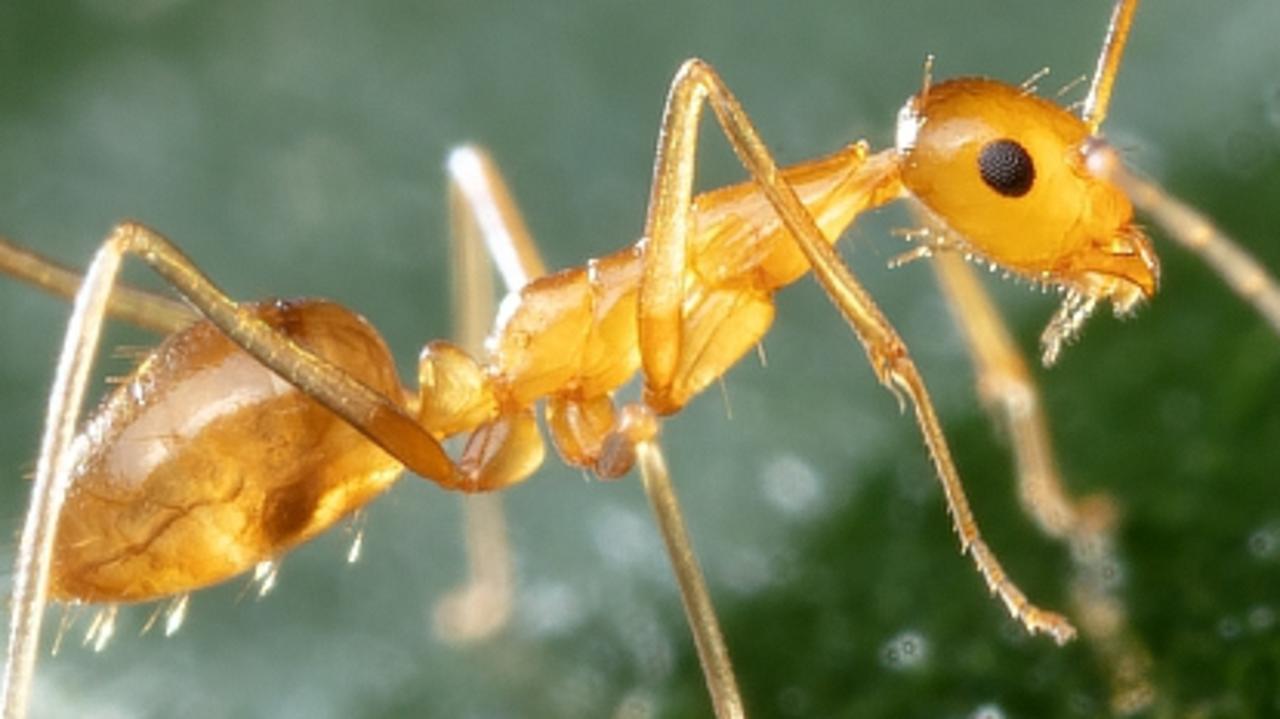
x=486, y=233
x=129, y=304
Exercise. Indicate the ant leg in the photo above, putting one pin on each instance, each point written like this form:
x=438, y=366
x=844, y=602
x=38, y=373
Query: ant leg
x=1009, y=394
x=49, y=488
x=483, y=216
x=1241, y=271
x=713, y=655
x=130, y=304
x=634, y=441
x=660, y=296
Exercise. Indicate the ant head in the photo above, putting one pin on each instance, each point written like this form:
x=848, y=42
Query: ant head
x=1016, y=179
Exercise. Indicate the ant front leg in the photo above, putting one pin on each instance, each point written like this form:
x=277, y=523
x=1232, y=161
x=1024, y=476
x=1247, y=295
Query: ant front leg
x=486, y=233
x=661, y=296
x=1009, y=394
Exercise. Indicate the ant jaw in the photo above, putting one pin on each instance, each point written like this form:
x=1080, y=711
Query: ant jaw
x=1147, y=278
x=1123, y=269
x=1127, y=252
x=1083, y=294
x=1065, y=324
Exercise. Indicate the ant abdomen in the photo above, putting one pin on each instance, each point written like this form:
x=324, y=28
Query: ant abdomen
x=204, y=462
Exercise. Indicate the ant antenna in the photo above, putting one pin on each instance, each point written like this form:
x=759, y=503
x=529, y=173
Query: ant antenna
x=1104, y=75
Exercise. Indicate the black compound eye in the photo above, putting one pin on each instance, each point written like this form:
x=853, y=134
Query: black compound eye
x=1006, y=168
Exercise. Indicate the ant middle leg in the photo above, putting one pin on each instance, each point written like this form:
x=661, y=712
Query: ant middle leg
x=661, y=296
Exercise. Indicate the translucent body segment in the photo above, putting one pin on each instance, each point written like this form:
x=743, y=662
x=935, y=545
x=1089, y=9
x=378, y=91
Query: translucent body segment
x=535, y=351
x=741, y=253
x=455, y=392
x=205, y=462
x=610, y=353
x=740, y=236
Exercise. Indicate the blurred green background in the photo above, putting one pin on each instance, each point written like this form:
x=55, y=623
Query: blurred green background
x=296, y=149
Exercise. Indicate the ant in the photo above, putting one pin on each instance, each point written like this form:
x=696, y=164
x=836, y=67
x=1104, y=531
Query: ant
x=661, y=300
